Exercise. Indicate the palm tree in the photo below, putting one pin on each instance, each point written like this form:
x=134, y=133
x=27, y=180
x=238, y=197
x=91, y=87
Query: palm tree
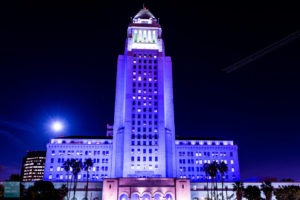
x=87, y=165
x=238, y=187
x=223, y=168
x=67, y=166
x=205, y=169
x=212, y=171
x=267, y=189
x=76, y=166
x=252, y=192
x=226, y=190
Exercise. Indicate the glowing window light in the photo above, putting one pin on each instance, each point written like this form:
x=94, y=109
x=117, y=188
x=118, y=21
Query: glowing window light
x=139, y=91
x=150, y=79
x=139, y=78
x=133, y=97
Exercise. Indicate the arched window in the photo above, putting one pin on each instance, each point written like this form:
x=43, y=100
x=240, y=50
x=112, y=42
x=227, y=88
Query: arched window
x=135, y=197
x=123, y=197
x=169, y=197
x=157, y=197
x=146, y=197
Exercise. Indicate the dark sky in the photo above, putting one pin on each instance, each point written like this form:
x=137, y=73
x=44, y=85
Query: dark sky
x=58, y=59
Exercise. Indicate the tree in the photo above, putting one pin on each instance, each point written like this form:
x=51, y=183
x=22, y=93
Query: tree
x=238, y=187
x=205, y=169
x=67, y=166
x=290, y=192
x=1, y=191
x=87, y=165
x=76, y=166
x=43, y=190
x=267, y=189
x=252, y=192
x=223, y=168
x=211, y=170
x=14, y=177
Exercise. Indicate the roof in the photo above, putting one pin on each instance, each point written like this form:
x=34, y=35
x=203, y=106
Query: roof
x=84, y=137
x=144, y=14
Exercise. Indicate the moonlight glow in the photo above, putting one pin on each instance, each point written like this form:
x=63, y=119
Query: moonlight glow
x=57, y=126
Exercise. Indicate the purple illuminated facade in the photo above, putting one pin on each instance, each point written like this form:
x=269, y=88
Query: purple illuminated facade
x=144, y=133
x=143, y=143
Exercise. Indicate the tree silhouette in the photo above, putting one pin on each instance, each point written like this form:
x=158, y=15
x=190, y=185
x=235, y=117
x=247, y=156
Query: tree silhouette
x=223, y=168
x=238, y=187
x=252, y=192
x=267, y=189
x=67, y=167
x=44, y=190
x=87, y=165
x=76, y=166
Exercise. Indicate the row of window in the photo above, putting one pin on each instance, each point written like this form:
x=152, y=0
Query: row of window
x=62, y=160
x=145, y=103
x=144, y=158
x=145, y=122
x=206, y=153
x=138, y=166
x=144, y=56
x=144, y=151
x=144, y=86
x=144, y=136
x=94, y=168
x=200, y=162
x=65, y=177
x=197, y=169
x=145, y=61
x=144, y=143
x=79, y=153
x=155, y=116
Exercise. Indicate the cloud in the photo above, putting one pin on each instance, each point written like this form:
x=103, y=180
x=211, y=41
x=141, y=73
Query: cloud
x=4, y=124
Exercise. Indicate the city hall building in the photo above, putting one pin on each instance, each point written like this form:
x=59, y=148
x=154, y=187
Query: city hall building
x=143, y=159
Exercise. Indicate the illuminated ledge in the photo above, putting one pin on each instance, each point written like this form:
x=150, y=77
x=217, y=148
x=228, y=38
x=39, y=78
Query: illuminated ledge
x=203, y=141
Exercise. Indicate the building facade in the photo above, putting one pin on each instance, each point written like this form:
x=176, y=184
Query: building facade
x=33, y=166
x=143, y=145
x=59, y=150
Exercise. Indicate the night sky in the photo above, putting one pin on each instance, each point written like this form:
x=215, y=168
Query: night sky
x=58, y=60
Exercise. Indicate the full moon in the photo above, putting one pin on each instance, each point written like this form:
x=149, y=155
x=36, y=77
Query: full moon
x=57, y=126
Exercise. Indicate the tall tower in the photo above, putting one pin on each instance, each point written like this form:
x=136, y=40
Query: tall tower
x=144, y=131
